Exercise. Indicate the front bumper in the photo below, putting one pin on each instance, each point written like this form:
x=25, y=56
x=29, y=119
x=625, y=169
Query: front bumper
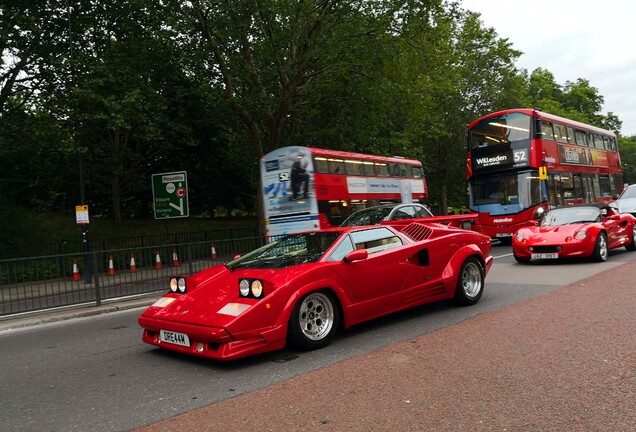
x=214, y=342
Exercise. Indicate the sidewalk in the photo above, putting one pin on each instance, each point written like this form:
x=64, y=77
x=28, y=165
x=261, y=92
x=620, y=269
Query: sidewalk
x=563, y=361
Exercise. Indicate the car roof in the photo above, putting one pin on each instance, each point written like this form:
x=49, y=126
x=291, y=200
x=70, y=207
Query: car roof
x=392, y=205
x=597, y=205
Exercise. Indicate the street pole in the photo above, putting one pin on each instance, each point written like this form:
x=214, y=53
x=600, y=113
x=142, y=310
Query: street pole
x=80, y=159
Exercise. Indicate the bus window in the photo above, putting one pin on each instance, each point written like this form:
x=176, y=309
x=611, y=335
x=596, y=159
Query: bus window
x=546, y=130
x=321, y=165
x=354, y=167
x=502, y=129
x=571, y=139
x=554, y=190
x=606, y=191
x=417, y=172
x=560, y=133
x=581, y=137
x=368, y=168
x=398, y=170
x=598, y=141
x=381, y=169
x=336, y=166
x=588, y=187
x=606, y=143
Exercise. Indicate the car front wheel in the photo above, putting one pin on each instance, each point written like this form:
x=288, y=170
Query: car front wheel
x=314, y=321
x=600, y=249
x=632, y=245
x=470, y=284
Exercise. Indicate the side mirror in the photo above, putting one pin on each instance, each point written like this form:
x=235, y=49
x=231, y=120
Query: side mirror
x=356, y=255
x=614, y=217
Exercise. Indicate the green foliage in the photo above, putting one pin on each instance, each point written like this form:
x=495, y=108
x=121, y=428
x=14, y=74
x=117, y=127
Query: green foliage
x=627, y=147
x=208, y=87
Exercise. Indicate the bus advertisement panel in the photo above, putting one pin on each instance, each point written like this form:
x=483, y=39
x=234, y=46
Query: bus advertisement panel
x=290, y=205
x=306, y=188
x=507, y=151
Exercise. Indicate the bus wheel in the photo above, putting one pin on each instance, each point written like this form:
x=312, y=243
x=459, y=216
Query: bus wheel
x=600, y=250
x=314, y=321
x=632, y=245
x=521, y=260
x=470, y=285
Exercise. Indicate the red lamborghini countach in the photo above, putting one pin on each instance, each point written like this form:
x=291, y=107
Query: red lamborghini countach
x=302, y=288
x=579, y=231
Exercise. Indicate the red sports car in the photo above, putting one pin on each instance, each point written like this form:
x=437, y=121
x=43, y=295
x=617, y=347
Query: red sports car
x=302, y=288
x=587, y=230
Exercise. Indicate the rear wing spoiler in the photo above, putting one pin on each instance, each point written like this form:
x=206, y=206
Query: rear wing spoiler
x=454, y=221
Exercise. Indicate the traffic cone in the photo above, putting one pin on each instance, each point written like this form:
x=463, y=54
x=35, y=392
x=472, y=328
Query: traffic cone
x=158, y=261
x=111, y=267
x=213, y=252
x=175, y=258
x=133, y=267
x=76, y=274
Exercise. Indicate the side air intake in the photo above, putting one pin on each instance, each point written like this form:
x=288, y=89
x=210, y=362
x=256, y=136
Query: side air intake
x=417, y=231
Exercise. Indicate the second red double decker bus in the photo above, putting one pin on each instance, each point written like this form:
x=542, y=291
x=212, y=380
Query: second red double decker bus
x=522, y=161
x=308, y=188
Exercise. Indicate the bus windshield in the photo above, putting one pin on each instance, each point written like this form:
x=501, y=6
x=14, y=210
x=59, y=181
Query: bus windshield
x=502, y=129
x=506, y=193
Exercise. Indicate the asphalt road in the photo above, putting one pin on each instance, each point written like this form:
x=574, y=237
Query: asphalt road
x=94, y=374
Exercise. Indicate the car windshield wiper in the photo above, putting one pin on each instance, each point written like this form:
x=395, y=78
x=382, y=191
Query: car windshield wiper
x=578, y=222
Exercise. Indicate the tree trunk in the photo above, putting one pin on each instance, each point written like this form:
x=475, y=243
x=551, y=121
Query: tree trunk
x=116, y=198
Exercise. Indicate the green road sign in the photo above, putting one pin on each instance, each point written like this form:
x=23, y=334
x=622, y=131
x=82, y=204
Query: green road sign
x=170, y=195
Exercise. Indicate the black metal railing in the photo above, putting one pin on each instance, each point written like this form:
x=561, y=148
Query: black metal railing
x=44, y=282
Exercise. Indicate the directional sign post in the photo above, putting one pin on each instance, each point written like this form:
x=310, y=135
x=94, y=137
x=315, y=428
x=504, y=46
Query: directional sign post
x=170, y=195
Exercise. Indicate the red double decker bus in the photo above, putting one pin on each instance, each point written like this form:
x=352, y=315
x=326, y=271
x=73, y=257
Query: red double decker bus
x=306, y=188
x=523, y=161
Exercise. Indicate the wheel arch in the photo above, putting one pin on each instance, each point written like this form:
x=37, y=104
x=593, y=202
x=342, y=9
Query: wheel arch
x=328, y=285
x=450, y=275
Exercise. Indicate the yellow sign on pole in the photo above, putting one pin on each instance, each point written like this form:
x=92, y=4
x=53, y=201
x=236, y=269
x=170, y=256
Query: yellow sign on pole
x=543, y=173
x=81, y=214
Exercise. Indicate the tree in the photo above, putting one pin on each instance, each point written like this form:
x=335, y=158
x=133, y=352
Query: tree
x=627, y=147
x=31, y=50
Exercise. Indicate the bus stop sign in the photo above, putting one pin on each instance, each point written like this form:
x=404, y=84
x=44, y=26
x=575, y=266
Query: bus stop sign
x=170, y=195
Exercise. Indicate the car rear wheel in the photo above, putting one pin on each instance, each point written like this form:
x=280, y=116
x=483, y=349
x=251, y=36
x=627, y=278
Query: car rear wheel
x=314, y=321
x=600, y=250
x=470, y=284
x=632, y=245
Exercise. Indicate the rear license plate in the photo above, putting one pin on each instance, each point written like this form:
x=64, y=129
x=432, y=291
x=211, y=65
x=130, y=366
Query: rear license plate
x=503, y=235
x=174, y=338
x=544, y=256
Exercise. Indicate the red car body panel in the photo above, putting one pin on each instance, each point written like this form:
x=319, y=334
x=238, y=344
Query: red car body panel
x=619, y=229
x=412, y=274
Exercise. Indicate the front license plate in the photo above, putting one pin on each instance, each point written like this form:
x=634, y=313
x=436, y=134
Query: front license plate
x=174, y=338
x=544, y=256
x=503, y=234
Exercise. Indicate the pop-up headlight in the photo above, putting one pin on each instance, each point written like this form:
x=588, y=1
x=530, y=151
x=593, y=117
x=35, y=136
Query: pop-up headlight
x=178, y=284
x=251, y=288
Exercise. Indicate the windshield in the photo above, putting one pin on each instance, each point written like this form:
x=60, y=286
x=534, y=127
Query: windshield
x=291, y=250
x=506, y=193
x=500, y=130
x=571, y=215
x=370, y=216
x=630, y=192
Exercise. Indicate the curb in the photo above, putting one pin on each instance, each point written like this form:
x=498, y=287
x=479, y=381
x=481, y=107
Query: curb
x=79, y=311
